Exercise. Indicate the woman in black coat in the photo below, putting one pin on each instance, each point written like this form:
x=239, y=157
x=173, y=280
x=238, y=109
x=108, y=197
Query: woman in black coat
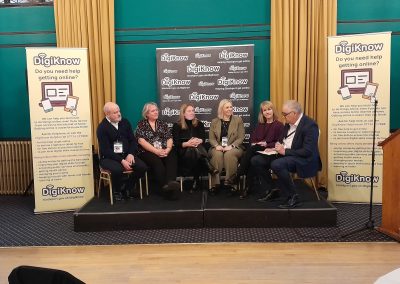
x=189, y=136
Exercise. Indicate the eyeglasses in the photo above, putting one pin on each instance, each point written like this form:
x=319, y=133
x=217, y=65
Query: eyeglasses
x=285, y=114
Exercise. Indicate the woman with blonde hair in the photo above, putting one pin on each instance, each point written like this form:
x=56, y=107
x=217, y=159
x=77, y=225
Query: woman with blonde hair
x=226, y=137
x=189, y=136
x=260, y=154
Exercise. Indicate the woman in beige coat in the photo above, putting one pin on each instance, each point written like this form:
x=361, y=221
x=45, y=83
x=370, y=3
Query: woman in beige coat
x=226, y=137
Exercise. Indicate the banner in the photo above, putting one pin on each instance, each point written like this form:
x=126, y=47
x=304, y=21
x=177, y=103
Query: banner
x=203, y=76
x=59, y=105
x=358, y=79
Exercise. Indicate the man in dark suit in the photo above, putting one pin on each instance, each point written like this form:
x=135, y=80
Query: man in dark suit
x=298, y=151
x=118, y=146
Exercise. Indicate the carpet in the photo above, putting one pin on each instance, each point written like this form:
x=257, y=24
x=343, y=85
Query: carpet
x=19, y=226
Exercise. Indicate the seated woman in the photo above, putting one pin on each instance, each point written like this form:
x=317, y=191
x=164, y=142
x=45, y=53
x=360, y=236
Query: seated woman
x=263, y=138
x=189, y=136
x=226, y=137
x=155, y=149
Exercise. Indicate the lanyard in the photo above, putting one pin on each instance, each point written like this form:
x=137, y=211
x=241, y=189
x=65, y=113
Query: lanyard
x=290, y=134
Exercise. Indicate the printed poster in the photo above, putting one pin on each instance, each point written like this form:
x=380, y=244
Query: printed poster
x=60, y=117
x=358, y=82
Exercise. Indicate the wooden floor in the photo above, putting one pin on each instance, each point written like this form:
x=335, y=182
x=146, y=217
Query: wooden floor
x=213, y=263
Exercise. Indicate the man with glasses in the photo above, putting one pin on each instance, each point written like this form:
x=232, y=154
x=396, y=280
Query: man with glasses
x=297, y=151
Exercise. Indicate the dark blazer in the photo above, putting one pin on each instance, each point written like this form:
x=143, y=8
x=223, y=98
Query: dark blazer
x=305, y=147
x=235, y=132
x=107, y=134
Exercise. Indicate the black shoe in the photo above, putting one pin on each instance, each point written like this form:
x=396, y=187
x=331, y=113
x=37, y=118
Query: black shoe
x=195, y=185
x=244, y=194
x=117, y=196
x=291, y=202
x=129, y=195
x=213, y=190
x=171, y=190
x=271, y=194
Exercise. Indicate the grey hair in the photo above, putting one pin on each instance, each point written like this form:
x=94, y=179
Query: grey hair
x=146, y=107
x=294, y=105
x=107, y=107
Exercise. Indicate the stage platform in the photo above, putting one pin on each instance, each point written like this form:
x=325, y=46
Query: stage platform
x=199, y=209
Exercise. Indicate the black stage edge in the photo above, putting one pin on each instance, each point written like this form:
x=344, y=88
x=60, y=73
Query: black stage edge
x=198, y=210
x=223, y=211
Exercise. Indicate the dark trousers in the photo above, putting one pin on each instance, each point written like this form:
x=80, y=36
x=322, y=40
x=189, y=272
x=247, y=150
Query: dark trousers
x=245, y=160
x=192, y=161
x=262, y=165
x=119, y=181
x=282, y=167
x=164, y=169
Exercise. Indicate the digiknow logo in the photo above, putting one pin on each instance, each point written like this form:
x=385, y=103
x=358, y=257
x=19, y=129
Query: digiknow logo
x=172, y=57
x=174, y=82
x=52, y=191
x=347, y=178
x=202, y=97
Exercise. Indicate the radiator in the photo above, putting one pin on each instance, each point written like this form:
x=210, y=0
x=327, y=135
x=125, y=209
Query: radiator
x=16, y=170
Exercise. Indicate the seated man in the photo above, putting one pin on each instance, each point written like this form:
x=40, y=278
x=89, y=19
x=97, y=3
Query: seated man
x=297, y=152
x=117, y=146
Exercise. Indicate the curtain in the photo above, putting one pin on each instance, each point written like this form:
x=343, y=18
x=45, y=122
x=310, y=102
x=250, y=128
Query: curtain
x=299, y=71
x=90, y=24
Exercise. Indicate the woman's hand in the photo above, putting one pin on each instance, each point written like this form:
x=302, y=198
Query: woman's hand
x=228, y=148
x=219, y=148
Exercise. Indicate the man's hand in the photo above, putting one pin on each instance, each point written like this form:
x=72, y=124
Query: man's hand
x=280, y=148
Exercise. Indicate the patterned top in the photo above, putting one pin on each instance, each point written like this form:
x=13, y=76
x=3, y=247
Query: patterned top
x=161, y=134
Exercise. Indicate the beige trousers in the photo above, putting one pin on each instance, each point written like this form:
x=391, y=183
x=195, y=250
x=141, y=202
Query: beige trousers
x=224, y=160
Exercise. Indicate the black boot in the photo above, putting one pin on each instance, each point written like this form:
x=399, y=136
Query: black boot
x=210, y=168
x=171, y=191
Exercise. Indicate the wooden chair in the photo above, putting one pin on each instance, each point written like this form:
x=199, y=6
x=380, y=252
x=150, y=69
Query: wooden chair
x=105, y=175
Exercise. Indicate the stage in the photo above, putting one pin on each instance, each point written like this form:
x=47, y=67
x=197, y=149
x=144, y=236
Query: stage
x=199, y=209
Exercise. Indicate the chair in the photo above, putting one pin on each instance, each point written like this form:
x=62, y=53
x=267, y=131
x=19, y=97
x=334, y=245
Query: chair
x=181, y=176
x=295, y=176
x=241, y=184
x=105, y=175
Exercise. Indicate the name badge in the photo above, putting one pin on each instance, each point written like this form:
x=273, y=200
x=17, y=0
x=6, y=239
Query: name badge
x=224, y=141
x=118, y=148
x=157, y=144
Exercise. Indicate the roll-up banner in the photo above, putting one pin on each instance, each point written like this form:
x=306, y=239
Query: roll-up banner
x=358, y=79
x=203, y=76
x=59, y=104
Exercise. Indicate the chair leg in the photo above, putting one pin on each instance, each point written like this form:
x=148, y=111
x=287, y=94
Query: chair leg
x=209, y=181
x=181, y=181
x=315, y=188
x=141, y=188
x=99, y=188
x=147, y=184
x=111, y=192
